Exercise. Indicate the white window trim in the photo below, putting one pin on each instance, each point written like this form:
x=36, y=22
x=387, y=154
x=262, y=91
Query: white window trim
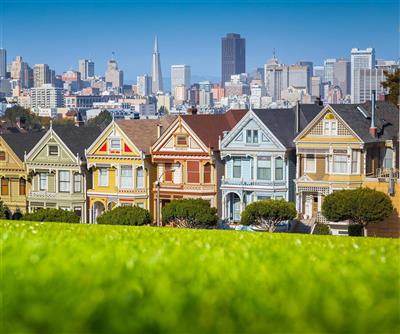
x=110, y=146
x=99, y=177
x=314, y=170
x=46, y=188
x=59, y=181
x=48, y=150
x=348, y=165
x=74, y=182
x=330, y=132
x=357, y=172
x=130, y=187
x=143, y=177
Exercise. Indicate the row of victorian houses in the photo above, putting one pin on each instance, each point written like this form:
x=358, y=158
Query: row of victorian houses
x=299, y=154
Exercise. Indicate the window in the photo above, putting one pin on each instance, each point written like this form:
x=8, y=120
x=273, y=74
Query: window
x=103, y=177
x=168, y=172
x=42, y=181
x=310, y=164
x=126, y=177
x=193, y=171
x=262, y=197
x=140, y=178
x=4, y=186
x=2, y=156
x=264, y=168
x=330, y=128
x=237, y=168
x=77, y=183
x=252, y=136
x=64, y=181
x=207, y=173
x=181, y=140
x=53, y=150
x=115, y=144
x=278, y=168
x=126, y=204
x=339, y=163
x=22, y=186
x=355, y=161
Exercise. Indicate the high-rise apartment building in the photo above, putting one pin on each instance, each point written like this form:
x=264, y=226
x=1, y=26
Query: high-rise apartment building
x=319, y=71
x=360, y=60
x=157, y=80
x=233, y=56
x=299, y=76
x=3, y=63
x=114, y=76
x=310, y=71
x=86, y=68
x=180, y=76
x=368, y=80
x=47, y=96
x=316, y=86
x=329, y=65
x=143, y=85
x=21, y=72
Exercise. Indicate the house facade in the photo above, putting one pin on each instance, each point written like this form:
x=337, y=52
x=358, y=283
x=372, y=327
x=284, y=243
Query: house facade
x=56, y=166
x=14, y=179
x=121, y=165
x=338, y=149
x=259, y=158
x=187, y=157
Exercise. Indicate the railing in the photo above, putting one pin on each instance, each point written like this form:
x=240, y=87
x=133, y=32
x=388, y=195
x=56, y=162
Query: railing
x=41, y=194
x=387, y=173
x=183, y=186
x=242, y=182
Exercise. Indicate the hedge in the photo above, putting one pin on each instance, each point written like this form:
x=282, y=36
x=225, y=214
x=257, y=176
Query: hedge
x=52, y=215
x=125, y=215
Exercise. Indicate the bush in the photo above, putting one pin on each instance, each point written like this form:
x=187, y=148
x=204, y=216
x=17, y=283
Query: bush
x=361, y=206
x=355, y=230
x=268, y=213
x=4, y=212
x=125, y=215
x=322, y=229
x=53, y=215
x=191, y=213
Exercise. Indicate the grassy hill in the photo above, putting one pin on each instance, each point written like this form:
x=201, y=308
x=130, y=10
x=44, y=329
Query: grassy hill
x=108, y=279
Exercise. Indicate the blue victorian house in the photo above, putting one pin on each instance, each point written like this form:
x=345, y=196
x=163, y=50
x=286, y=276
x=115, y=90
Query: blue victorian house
x=260, y=157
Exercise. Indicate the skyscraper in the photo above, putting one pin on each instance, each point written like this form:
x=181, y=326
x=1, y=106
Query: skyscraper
x=360, y=60
x=341, y=76
x=3, y=63
x=143, y=84
x=233, y=56
x=180, y=75
x=310, y=71
x=41, y=75
x=276, y=78
x=86, y=68
x=157, y=83
x=113, y=74
x=329, y=65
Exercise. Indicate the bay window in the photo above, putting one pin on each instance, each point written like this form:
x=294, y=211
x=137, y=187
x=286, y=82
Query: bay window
x=264, y=168
x=310, y=164
x=139, y=177
x=355, y=161
x=193, y=171
x=103, y=177
x=237, y=168
x=77, y=183
x=339, y=163
x=63, y=181
x=42, y=181
x=279, y=169
x=126, y=177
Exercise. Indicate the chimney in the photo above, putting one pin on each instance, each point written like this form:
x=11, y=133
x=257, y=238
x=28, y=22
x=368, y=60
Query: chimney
x=297, y=117
x=373, y=131
x=192, y=110
x=159, y=129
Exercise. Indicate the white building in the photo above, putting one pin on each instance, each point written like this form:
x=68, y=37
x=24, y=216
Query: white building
x=143, y=84
x=180, y=75
x=276, y=78
x=205, y=98
x=316, y=86
x=47, y=96
x=368, y=80
x=114, y=76
x=86, y=68
x=360, y=59
x=257, y=93
x=329, y=67
x=299, y=76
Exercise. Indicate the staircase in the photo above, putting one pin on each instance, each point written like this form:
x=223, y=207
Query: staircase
x=305, y=226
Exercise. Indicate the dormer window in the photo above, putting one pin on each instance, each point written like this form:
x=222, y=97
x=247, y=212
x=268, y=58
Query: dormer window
x=181, y=140
x=53, y=150
x=115, y=144
x=252, y=136
x=329, y=125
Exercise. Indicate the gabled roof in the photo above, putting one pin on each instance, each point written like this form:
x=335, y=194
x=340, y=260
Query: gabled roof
x=77, y=139
x=386, y=119
x=22, y=142
x=143, y=132
x=282, y=122
x=209, y=127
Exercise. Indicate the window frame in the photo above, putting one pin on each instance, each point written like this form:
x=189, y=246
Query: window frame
x=67, y=183
x=240, y=168
x=306, y=158
x=106, y=175
x=268, y=160
x=22, y=185
x=45, y=178
x=3, y=154
x=140, y=186
x=193, y=173
x=5, y=185
x=126, y=181
x=168, y=173
x=111, y=144
x=49, y=151
x=330, y=130
x=77, y=180
x=185, y=137
x=207, y=173
x=281, y=167
x=346, y=163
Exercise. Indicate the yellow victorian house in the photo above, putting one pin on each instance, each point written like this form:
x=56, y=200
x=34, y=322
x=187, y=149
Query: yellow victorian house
x=122, y=169
x=339, y=148
x=14, y=179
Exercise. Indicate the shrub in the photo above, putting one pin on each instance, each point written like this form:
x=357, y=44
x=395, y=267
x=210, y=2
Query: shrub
x=361, y=206
x=4, y=212
x=125, y=215
x=322, y=229
x=268, y=213
x=53, y=215
x=191, y=213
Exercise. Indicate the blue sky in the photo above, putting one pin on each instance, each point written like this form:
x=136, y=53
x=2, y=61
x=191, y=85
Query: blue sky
x=59, y=32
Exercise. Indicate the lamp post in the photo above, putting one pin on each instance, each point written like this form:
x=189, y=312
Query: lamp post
x=158, y=197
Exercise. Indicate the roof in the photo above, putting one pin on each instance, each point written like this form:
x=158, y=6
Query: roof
x=143, y=132
x=386, y=119
x=282, y=122
x=77, y=139
x=209, y=127
x=22, y=142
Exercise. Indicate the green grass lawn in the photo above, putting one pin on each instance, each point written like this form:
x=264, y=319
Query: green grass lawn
x=61, y=278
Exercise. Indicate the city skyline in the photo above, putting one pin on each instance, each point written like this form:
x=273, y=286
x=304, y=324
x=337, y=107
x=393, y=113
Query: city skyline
x=133, y=51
